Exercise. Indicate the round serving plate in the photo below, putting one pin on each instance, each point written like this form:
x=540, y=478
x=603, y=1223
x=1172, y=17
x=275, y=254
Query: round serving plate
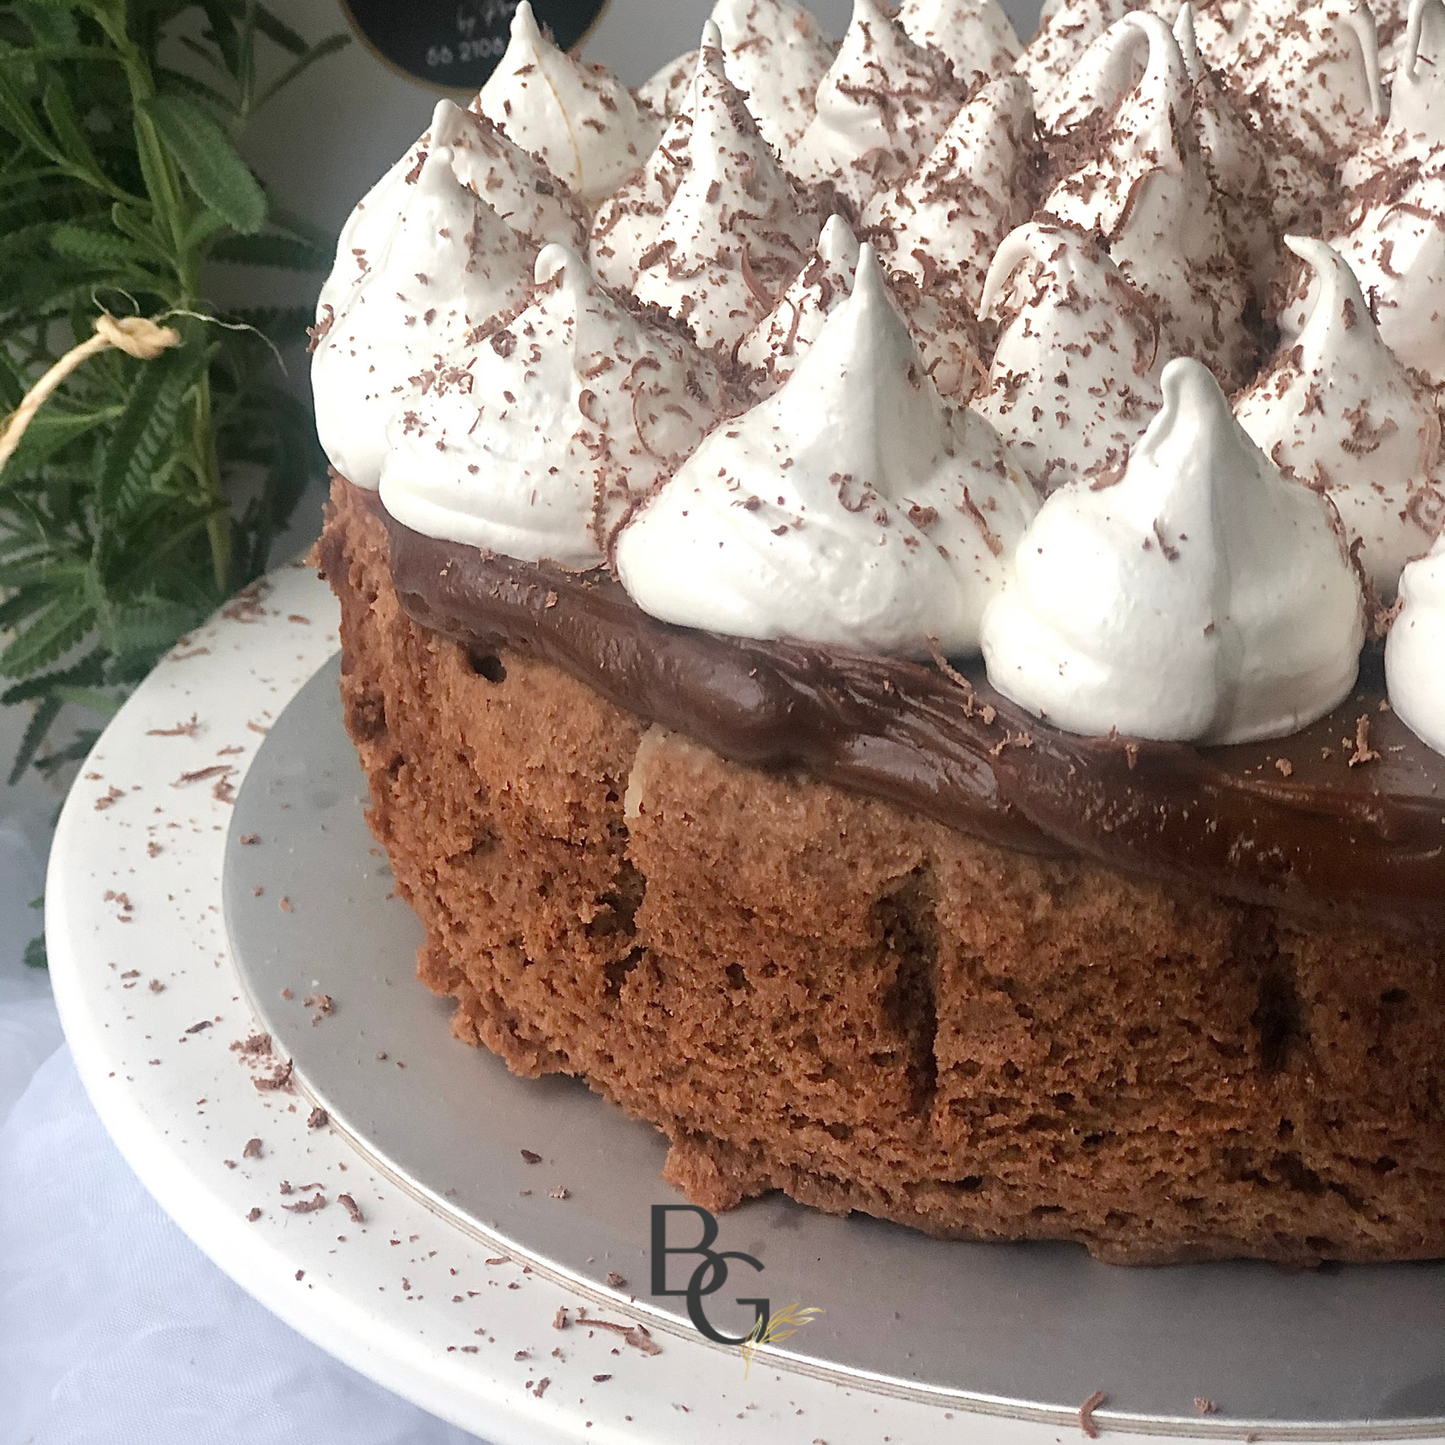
x=490, y=1259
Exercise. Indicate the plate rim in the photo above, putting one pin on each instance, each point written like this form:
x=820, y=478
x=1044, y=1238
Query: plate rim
x=250, y=654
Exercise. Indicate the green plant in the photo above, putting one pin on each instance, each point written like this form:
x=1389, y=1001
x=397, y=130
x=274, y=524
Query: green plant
x=145, y=491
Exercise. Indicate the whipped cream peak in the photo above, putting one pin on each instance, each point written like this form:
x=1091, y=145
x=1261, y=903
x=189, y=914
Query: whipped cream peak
x=1066, y=30
x=450, y=268
x=580, y=119
x=1417, y=97
x=1415, y=649
x=1075, y=374
x=665, y=92
x=1416, y=126
x=1128, y=55
x=883, y=103
x=736, y=227
x=777, y=55
x=1313, y=69
x=517, y=186
x=976, y=36
x=1392, y=233
x=1146, y=188
x=538, y=441
x=950, y=215
x=1199, y=597
x=779, y=341
x=1263, y=188
x=1338, y=412
x=851, y=508
x=1188, y=42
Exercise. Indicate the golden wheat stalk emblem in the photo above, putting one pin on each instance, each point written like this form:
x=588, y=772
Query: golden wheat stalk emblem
x=780, y=1326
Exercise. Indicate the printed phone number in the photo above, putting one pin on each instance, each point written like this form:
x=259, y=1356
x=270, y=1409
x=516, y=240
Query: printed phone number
x=490, y=47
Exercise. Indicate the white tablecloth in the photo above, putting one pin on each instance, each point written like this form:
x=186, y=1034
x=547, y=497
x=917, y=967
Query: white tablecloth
x=114, y=1328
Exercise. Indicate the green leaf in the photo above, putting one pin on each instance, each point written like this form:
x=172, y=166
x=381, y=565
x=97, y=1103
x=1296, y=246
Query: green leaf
x=133, y=423
x=209, y=161
x=13, y=382
x=35, y=949
x=58, y=628
x=60, y=112
x=150, y=627
x=30, y=741
x=73, y=752
x=157, y=434
x=15, y=609
x=49, y=431
x=319, y=51
x=209, y=54
x=178, y=80
x=277, y=31
x=223, y=32
x=284, y=252
x=98, y=248
x=17, y=117
x=107, y=704
x=129, y=221
x=297, y=225
x=50, y=22
x=88, y=672
x=206, y=225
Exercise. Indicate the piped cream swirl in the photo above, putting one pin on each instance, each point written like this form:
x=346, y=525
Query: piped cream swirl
x=537, y=441
x=1201, y=597
x=852, y=508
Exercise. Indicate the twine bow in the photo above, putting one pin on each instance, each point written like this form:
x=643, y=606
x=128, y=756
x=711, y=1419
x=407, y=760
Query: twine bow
x=137, y=336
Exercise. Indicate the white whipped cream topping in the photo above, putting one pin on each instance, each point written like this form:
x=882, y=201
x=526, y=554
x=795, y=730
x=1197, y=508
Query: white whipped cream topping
x=1415, y=649
x=1338, y=412
x=950, y=215
x=536, y=442
x=1075, y=377
x=1394, y=241
x=1315, y=63
x=1417, y=95
x=665, y=92
x=627, y=222
x=450, y=267
x=516, y=185
x=781, y=339
x=883, y=103
x=736, y=227
x=1148, y=190
x=1416, y=126
x=1264, y=189
x=367, y=233
x=777, y=55
x=581, y=120
x=976, y=35
x=852, y=508
x=1202, y=597
x=1066, y=30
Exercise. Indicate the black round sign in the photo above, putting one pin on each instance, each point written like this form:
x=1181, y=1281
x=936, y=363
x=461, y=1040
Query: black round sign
x=456, y=44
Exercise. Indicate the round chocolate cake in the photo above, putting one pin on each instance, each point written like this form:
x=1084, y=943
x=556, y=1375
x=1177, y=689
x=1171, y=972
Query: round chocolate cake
x=893, y=606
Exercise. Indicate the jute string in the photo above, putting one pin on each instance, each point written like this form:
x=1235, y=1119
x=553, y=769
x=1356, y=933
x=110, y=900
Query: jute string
x=137, y=336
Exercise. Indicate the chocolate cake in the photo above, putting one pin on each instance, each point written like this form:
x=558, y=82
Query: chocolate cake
x=664, y=667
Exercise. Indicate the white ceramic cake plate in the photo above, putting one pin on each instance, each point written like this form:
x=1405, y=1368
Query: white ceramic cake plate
x=448, y=1286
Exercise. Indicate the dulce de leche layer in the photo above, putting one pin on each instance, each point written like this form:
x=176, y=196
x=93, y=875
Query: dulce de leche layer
x=1346, y=816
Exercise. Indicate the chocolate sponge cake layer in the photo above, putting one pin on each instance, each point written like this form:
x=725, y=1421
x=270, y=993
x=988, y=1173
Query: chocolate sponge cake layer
x=811, y=990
